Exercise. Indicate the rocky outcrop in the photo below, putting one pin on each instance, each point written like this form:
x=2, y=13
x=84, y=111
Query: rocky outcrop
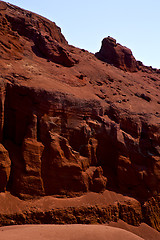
x=151, y=212
x=46, y=37
x=81, y=215
x=91, y=208
x=116, y=54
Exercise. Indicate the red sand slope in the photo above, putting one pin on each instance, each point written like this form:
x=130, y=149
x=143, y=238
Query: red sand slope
x=65, y=232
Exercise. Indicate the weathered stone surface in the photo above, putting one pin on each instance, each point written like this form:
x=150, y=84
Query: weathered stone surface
x=116, y=54
x=5, y=167
x=97, y=180
x=66, y=169
x=27, y=181
x=151, y=212
x=3, y=5
x=2, y=99
x=91, y=208
x=73, y=128
x=32, y=153
x=46, y=36
x=62, y=166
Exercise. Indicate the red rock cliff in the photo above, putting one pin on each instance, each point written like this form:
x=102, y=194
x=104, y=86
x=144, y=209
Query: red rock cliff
x=70, y=123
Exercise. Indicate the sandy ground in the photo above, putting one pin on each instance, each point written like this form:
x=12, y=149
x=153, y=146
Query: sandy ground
x=143, y=230
x=65, y=232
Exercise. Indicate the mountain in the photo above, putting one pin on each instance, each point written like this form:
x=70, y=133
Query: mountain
x=74, y=123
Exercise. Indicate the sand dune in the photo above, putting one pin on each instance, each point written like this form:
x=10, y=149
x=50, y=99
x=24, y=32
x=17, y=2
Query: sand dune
x=143, y=230
x=65, y=232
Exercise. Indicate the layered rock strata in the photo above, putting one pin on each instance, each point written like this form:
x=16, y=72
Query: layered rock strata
x=71, y=123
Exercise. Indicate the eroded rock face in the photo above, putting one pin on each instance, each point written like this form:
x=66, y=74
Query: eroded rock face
x=46, y=37
x=65, y=153
x=69, y=130
x=5, y=168
x=116, y=54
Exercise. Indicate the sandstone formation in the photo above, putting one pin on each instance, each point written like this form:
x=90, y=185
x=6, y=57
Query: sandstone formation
x=46, y=37
x=5, y=166
x=71, y=123
x=116, y=54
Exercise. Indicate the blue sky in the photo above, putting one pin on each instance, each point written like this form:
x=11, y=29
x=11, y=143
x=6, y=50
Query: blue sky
x=85, y=23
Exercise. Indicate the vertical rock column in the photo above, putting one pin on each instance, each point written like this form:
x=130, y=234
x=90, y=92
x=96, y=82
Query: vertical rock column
x=2, y=99
x=5, y=167
x=31, y=181
x=5, y=162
